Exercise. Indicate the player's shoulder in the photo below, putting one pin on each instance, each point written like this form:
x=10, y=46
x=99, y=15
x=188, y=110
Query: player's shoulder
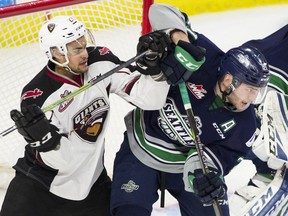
x=39, y=88
x=101, y=53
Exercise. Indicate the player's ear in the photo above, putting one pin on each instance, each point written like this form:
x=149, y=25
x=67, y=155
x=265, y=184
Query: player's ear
x=227, y=80
x=57, y=55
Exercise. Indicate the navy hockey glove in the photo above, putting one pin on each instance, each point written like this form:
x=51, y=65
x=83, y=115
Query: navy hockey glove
x=33, y=125
x=179, y=65
x=206, y=186
x=157, y=42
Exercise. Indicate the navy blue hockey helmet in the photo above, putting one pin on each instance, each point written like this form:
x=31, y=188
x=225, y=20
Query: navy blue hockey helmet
x=246, y=65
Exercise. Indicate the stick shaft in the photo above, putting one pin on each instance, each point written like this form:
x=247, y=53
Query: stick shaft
x=82, y=88
x=92, y=82
x=196, y=138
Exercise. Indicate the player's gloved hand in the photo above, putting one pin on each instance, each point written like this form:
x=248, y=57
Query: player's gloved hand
x=33, y=125
x=206, y=186
x=178, y=66
x=157, y=42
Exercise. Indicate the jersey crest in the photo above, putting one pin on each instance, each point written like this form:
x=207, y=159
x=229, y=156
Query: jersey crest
x=104, y=51
x=88, y=122
x=175, y=125
x=31, y=94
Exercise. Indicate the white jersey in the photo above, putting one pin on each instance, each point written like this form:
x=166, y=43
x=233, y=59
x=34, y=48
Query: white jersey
x=71, y=170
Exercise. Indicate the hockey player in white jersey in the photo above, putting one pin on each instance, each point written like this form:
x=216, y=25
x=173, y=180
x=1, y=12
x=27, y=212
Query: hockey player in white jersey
x=62, y=172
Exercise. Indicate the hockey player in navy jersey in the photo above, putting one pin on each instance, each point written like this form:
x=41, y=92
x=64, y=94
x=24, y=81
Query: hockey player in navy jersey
x=62, y=172
x=267, y=192
x=158, y=151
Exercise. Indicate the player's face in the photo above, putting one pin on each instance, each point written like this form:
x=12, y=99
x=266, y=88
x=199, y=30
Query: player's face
x=243, y=96
x=78, y=55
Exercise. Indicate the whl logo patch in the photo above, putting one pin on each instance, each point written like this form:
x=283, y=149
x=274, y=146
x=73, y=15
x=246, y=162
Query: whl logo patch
x=65, y=104
x=197, y=90
x=130, y=187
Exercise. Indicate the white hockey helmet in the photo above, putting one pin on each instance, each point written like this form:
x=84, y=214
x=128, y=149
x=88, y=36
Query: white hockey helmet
x=58, y=32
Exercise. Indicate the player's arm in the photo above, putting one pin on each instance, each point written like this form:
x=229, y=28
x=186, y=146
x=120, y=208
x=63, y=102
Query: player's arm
x=163, y=16
x=181, y=56
x=168, y=62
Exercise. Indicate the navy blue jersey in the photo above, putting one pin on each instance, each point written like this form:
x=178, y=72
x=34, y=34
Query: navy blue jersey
x=274, y=47
x=164, y=135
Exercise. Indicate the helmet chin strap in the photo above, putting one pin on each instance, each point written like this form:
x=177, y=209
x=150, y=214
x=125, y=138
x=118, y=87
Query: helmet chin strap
x=67, y=68
x=225, y=93
x=227, y=104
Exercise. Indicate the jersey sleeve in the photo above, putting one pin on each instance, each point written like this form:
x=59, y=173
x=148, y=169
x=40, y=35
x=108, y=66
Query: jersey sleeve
x=274, y=48
x=174, y=19
x=140, y=90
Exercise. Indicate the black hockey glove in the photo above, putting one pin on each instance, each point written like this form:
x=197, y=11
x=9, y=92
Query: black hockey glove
x=206, y=186
x=33, y=125
x=157, y=42
x=179, y=64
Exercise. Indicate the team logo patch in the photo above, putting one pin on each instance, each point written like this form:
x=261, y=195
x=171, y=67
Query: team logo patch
x=130, y=186
x=51, y=27
x=65, y=104
x=104, y=51
x=88, y=122
x=197, y=90
x=72, y=19
x=175, y=125
x=31, y=94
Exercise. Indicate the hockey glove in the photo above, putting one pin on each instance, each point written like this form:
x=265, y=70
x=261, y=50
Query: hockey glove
x=179, y=65
x=206, y=186
x=33, y=125
x=157, y=42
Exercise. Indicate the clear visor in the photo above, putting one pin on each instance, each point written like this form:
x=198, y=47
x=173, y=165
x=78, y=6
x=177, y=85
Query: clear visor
x=250, y=94
x=80, y=45
x=74, y=48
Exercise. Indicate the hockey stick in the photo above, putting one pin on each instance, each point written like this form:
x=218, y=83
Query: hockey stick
x=82, y=88
x=196, y=137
